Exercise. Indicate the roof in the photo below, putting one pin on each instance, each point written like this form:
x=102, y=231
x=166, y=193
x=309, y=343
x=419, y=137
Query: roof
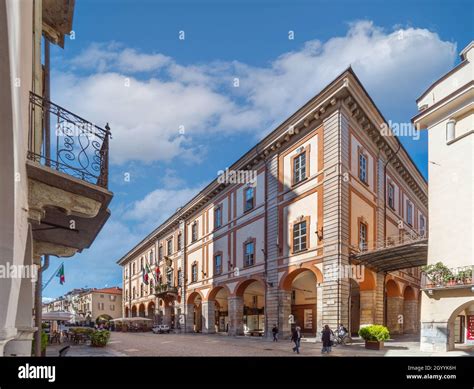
x=113, y=290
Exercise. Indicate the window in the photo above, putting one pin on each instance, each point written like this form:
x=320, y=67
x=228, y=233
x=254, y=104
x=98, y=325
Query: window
x=134, y=270
x=194, y=272
x=180, y=280
x=160, y=253
x=142, y=290
x=363, y=167
x=169, y=246
x=218, y=217
x=249, y=253
x=391, y=195
x=169, y=277
x=363, y=230
x=218, y=263
x=300, y=236
x=101, y=306
x=299, y=168
x=101, y=296
x=422, y=226
x=112, y=298
x=409, y=213
x=134, y=292
x=112, y=307
x=179, y=244
x=249, y=199
x=141, y=263
x=194, y=232
x=151, y=286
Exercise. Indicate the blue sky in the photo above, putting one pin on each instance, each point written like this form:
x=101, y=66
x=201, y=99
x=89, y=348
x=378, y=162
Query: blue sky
x=126, y=66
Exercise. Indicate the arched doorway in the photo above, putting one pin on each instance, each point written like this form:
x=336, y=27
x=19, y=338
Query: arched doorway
x=355, y=307
x=151, y=310
x=410, y=310
x=141, y=310
x=134, y=311
x=461, y=328
x=127, y=311
x=219, y=304
x=393, y=307
x=194, y=313
x=252, y=294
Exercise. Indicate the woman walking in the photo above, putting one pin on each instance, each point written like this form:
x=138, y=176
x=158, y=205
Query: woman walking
x=296, y=337
x=326, y=339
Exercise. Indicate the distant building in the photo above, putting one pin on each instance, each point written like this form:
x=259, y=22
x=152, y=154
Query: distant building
x=446, y=110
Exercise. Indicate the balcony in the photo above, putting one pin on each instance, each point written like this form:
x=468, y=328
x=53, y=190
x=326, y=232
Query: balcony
x=165, y=290
x=438, y=276
x=67, y=169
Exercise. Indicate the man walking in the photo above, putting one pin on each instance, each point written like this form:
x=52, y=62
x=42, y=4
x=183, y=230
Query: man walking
x=296, y=337
x=275, y=333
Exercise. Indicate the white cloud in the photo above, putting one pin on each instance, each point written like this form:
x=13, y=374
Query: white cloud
x=145, y=117
x=158, y=205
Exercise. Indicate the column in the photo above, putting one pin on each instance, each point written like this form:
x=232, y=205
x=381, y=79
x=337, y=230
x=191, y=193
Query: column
x=284, y=302
x=236, y=313
x=394, y=308
x=319, y=311
x=367, y=307
x=189, y=314
x=208, y=317
x=167, y=315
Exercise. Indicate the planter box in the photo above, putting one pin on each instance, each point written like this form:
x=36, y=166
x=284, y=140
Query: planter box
x=373, y=345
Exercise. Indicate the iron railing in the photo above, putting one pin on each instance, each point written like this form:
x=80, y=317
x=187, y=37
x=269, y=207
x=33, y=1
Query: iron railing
x=403, y=237
x=68, y=143
x=441, y=277
x=165, y=289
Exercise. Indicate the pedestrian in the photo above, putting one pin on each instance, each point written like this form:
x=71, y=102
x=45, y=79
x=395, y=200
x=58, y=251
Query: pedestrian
x=275, y=333
x=326, y=339
x=296, y=338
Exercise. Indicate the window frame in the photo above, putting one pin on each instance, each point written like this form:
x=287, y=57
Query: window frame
x=410, y=208
x=391, y=185
x=253, y=242
x=194, y=272
x=218, y=220
x=360, y=223
x=305, y=220
x=246, y=189
x=215, y=270
x=363, y=153
x=306, y=153
x=169, y=246
x=194, y=233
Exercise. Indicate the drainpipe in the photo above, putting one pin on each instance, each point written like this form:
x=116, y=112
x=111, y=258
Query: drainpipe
x=265, y=249
x=184, y=272
x=47, y=97
x=39, y=305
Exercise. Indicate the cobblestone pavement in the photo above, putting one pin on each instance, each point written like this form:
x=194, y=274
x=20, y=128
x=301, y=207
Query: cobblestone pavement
x=149, y=344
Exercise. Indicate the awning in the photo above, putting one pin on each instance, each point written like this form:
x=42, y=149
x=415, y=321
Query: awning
x=56, y=315
x=130, y=319
x=403, y=256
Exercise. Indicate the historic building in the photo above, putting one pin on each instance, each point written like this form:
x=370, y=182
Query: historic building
x=89, y=305
x=286, y=245
x=446, y=110
x=54, y=176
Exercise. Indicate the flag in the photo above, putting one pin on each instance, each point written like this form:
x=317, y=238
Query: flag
x=145, y=276
x=157, y=273
x=60, y=274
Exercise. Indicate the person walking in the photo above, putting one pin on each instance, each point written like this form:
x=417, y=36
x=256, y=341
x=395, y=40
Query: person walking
x=326, y=339
x=296, y=338
x=275, y=333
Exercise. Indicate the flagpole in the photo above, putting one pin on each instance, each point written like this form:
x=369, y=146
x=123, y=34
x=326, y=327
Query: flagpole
x=52, y=276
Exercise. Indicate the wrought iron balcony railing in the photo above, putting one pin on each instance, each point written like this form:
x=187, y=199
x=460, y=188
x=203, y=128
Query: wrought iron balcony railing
x=164, y=289
x=438, y=276
x=68, y=143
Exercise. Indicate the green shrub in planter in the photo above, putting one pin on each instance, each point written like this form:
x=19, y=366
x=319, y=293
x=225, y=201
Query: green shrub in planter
x=100, y=338
x=44, y=344
x=374, y=333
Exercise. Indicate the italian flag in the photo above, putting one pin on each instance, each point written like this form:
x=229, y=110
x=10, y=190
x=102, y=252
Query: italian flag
x=145, y=276
x=60, y=274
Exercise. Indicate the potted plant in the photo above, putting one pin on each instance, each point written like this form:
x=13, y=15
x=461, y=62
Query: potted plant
x=438, y=274
x=374, y=336
x=467, y=276
x=100, y=338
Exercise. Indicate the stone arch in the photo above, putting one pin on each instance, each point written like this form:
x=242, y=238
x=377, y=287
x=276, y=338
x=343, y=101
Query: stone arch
x=212, y=294
x=193, y=297
x=134, y=311
x=392, y=289
x=150, y=309
x=451, y=327
x=141, y=310
x=410, y=310
x=240, y=289
x=127, y=311
x=290, y=275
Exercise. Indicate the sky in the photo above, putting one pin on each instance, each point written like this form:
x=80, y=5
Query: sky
x=180, y=109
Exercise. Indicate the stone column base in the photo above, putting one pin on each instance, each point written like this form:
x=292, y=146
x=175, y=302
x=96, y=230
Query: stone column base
x=434, y=337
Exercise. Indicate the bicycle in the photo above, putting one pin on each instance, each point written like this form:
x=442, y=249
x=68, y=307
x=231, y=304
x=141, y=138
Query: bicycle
x=344, y=340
